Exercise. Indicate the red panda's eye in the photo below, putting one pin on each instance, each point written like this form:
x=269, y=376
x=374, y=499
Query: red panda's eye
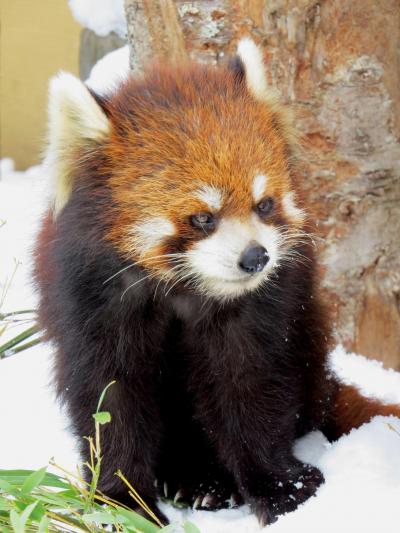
x=203, y=221
x=266, y=206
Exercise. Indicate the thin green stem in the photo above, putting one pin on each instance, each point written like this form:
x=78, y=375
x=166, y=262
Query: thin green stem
x=15, y=313
x=25, y=346
x=19, y=338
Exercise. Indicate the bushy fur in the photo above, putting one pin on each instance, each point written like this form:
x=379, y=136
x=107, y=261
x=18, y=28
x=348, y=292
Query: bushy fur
x=209, y=395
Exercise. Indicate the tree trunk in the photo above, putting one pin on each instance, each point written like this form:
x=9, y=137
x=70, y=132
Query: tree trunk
x=337, y=62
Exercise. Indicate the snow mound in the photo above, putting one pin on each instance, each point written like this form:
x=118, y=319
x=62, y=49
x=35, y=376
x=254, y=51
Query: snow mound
x=100, y=16
x=109, y=72
x=372, y=379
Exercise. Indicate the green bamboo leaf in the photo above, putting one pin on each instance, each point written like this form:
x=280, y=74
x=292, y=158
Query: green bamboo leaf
x=33, y=480
x=18, y=477
x=38, y=512
x=70, y=494
x=102, y=417
x=27, y=513
x=16, y=522
x=99, y=517
x=190, y=528
x=5, y=528
x=54, y=501
x=102, y=395
x=44, y=524
x=5, y=504
x=6, y=486
x=135, y=520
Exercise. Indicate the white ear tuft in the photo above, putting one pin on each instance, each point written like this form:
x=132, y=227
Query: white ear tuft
x=252, y=58
x=256, y=80
x=72, y=109
x=75, y=120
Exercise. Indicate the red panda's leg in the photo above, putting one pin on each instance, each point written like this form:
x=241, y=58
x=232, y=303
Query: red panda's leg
x=252, y=428
x=188, y=470
x=130, y=442
x=269, y=478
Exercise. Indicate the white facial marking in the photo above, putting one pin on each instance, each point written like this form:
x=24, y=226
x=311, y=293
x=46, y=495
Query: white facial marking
x=215, y=259
x=258, y=187
x=150, y=232
x=290, y=208
x=210, y=195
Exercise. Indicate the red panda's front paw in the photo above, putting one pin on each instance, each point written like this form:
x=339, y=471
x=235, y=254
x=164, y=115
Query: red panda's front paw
x=206, y=495
x=284, y=493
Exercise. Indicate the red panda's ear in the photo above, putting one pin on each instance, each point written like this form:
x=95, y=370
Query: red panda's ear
x=76, y=120
x=252, y=65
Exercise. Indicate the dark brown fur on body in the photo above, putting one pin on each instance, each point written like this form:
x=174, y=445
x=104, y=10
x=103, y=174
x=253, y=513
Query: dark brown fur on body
x=205, y=393
x=209, y=395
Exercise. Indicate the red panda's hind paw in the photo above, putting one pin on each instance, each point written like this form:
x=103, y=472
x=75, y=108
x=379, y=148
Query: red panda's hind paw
x=284, y=495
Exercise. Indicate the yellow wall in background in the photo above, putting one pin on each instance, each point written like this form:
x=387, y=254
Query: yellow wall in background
x=38, y=38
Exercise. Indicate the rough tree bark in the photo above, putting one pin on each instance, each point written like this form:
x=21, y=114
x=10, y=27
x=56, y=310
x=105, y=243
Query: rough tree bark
x=338, y=63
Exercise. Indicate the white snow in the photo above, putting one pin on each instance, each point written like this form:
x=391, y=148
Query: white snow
x=100, y=16
x=109, y=71
x=373, y=380
x=362, y=470
x=35, y=428
x=22, y=196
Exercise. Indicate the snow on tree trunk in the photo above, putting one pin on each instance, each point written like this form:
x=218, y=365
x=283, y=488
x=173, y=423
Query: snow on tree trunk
x=337, y=62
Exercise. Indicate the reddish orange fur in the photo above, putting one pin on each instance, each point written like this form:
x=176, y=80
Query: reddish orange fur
x=352, y=410
x=210, y=130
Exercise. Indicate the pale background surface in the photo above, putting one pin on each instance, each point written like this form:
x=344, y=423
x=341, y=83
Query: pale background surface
x=38, y=38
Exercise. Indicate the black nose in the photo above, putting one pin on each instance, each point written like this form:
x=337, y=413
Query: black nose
x=253, y=259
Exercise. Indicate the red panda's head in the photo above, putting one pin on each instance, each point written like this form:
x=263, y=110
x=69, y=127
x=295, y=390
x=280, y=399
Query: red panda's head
x=199, y=170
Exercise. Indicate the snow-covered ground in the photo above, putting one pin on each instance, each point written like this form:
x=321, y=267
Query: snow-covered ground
x=362, y=470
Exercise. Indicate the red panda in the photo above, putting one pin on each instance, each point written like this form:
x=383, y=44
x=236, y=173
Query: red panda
x=177, y=260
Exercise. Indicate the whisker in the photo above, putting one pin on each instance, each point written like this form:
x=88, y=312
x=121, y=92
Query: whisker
x=119, y=272
x=138, y=263
x=136, y=283
x=155, y=290
x=296, y=256
x=176, y=282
